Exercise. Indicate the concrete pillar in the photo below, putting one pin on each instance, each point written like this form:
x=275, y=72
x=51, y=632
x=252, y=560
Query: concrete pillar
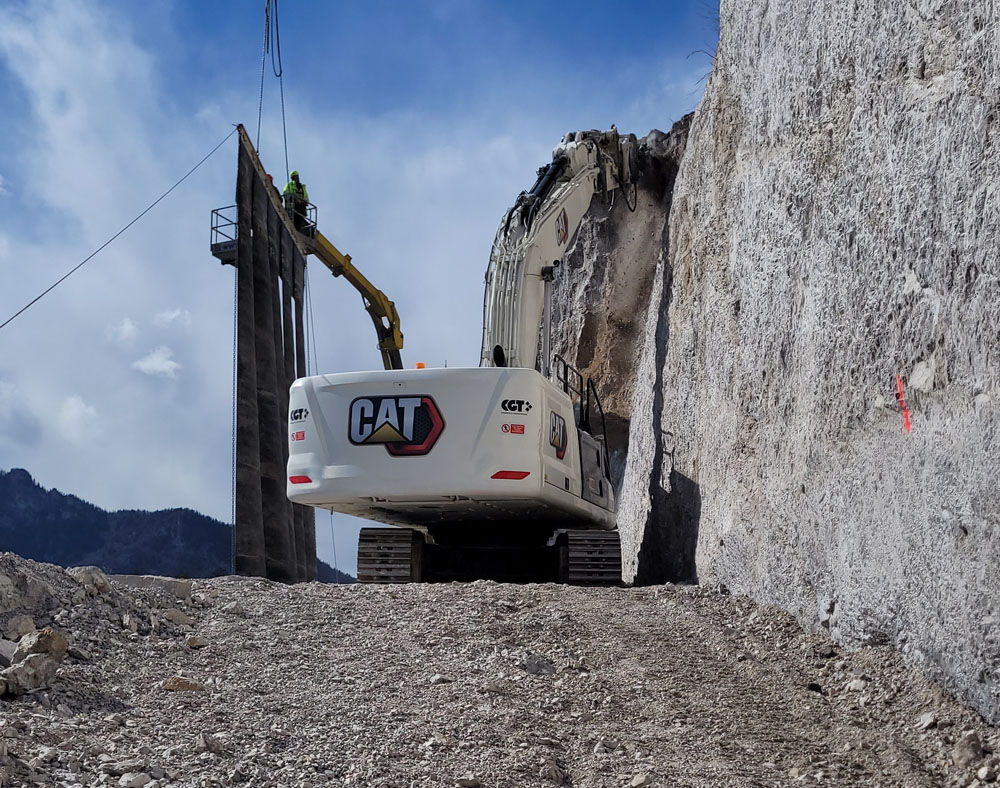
x=279, y=243
x=249, y=525
x=279, y=554
x=272, y=537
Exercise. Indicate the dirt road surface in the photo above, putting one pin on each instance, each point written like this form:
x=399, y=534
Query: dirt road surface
x=466, y=685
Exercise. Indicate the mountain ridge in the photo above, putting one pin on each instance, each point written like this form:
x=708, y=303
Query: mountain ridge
x=61, y=528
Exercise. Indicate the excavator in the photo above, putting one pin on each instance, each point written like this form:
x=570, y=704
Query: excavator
x=499, y=471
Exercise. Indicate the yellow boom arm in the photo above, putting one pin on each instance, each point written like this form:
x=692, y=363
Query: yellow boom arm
x=379, y=307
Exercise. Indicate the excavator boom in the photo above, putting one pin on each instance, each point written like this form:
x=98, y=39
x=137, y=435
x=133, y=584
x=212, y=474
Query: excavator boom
x=535, y=234
x=381, y=310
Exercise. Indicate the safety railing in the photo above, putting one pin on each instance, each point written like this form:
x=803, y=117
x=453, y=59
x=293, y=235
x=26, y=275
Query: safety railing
x=225, y=232
x=568, y=377
x=303, y=216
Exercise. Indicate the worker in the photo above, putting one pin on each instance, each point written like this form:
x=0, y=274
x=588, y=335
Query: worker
x=296, y=199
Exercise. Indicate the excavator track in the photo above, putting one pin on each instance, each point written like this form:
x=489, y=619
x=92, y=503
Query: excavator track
x=594, y=558
x=399, y=555
x=389, y=555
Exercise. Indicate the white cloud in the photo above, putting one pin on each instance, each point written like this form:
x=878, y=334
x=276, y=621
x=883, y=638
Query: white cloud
x=168, y=317
x=3, y=184
x=77, y=420
x=158, y=362
x=123, y=333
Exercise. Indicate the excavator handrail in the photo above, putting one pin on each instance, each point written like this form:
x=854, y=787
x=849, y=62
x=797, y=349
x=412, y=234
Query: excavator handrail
x=378, y=305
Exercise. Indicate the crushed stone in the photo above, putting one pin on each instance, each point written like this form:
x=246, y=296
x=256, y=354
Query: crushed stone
x=326, y=685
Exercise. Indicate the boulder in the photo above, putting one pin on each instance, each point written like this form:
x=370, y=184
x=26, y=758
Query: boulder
x=35, y=671
x=92, y=579
x=7, y=649
x=182, y=684
x=175, y=616
x=18, y=627
x=47, y=641
x=179, y=588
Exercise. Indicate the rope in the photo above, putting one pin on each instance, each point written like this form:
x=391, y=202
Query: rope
x=232, y=510
x=114, y=237
x=263, y=62
x=311, y=325
x=279, y=72
x=308, y=310
x=277, y=68
x=284, y=132
x=333, y=538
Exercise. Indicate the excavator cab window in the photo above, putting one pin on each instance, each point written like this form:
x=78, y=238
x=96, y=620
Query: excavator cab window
x=499, y=357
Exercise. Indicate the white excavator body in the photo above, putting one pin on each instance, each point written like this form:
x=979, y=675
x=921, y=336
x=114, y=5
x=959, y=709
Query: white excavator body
x=499, y=471
x=423, y=447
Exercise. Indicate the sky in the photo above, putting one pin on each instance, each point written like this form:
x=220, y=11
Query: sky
x=414, y=126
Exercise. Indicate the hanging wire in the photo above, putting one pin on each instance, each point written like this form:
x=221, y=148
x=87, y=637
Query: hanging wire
x=284, y=132
x=272, y=46
x=279, y=72
x=232, y=510
x=114, y=237
x=333, y=538
x=263, y=62
x=310, y=329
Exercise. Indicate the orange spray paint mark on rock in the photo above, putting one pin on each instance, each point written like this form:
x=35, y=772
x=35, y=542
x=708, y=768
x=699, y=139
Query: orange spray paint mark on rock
x=902, y=404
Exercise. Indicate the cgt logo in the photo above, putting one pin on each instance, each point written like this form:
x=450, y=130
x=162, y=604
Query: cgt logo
x=515, y=406
x=558, y=437
x=406, y=426
x=299, y=414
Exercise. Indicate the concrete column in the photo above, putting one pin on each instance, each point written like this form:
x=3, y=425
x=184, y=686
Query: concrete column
x=280, y=242
x=279, y=553
x=249, y=525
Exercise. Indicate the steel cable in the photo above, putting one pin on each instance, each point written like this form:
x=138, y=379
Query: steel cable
x=272, y=46
x=107, y=243
x=232, y=511
x=263, y=62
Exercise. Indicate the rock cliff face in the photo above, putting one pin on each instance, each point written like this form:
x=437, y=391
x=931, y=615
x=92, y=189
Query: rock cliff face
x=833, y=236
x=601, y=294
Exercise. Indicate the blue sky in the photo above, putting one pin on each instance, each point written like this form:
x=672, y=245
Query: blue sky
x=414, y=124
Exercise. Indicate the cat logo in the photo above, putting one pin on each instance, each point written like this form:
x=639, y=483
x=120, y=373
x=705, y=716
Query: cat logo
x=406, y=426
x=562, y=228
x=558, y=437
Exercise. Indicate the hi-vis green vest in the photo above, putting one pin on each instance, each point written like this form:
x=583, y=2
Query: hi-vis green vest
x=296, y=191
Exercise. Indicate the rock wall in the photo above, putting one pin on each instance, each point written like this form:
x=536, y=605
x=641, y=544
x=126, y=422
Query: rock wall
x=834, y=234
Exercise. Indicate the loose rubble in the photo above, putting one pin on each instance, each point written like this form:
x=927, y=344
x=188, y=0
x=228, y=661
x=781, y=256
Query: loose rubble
x=468, y=686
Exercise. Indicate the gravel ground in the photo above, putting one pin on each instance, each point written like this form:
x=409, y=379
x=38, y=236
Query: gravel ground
x=463, y=685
